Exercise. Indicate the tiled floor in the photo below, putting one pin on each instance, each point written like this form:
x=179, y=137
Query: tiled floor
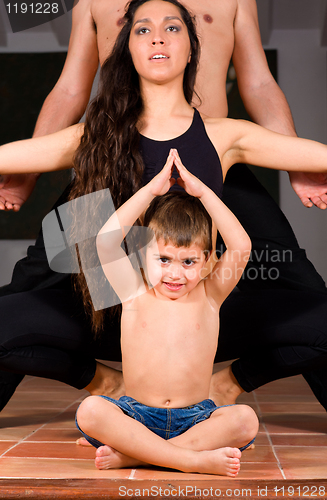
x=37, y=442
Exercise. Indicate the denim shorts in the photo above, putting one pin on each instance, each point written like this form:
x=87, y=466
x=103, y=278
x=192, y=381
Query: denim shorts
x=165, y=422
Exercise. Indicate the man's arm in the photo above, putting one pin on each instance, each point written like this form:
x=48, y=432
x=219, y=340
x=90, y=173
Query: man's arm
x=65, y=104
x=264, y=100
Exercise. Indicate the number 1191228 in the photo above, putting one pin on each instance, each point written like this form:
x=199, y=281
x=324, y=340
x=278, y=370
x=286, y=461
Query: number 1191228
x=32, y=8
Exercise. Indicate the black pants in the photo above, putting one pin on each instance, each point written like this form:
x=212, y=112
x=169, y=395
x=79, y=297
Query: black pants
x=275, y=323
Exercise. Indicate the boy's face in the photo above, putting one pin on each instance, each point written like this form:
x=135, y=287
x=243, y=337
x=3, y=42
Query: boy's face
x=174, y=271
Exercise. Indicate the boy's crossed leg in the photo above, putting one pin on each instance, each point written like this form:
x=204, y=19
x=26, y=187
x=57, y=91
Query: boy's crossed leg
x=211, y=446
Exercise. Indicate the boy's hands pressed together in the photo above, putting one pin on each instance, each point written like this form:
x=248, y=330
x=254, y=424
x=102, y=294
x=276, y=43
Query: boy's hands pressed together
x=162, y=182
x=192, y=185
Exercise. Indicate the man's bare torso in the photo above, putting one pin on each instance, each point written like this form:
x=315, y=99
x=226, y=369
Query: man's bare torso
x=215, y=26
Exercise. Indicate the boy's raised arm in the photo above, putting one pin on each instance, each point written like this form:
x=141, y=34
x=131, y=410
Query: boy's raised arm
x=117, y=267
x=228, y=270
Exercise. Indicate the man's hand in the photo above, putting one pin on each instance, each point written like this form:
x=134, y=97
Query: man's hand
x=311, y=188
x=15, y=190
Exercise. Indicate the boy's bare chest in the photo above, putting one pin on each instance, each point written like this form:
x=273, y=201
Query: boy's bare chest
x=153, y=320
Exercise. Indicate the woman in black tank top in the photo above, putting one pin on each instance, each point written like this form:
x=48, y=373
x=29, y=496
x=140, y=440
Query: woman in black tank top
x=193, y=146
x=275, y=333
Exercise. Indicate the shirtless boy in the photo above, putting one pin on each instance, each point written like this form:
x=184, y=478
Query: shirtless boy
x=167, y=370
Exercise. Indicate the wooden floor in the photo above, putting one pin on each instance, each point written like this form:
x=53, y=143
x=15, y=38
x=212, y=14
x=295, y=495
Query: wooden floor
x=39, y=457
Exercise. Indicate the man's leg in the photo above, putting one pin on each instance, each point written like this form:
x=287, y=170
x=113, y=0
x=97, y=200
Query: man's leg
x=30, y=273
x=33, y=271
x=317, y=380
x=277, y=263
x=275, y=334
x=8, y=384
x=46, y=334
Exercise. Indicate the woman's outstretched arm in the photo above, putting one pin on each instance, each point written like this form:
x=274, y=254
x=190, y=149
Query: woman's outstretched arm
x=41, y=154
x=240, y=141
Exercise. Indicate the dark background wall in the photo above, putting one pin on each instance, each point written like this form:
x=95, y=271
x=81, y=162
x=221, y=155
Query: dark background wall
x=25, y=81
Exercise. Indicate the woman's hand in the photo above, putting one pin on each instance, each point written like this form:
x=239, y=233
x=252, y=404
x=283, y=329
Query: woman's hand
x=192, y=185
x=162, y=182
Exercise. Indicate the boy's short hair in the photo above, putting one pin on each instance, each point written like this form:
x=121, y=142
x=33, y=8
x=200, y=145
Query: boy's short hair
x=180, y=219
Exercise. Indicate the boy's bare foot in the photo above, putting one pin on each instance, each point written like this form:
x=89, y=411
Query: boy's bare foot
x=223, y=461
x=109, y=458
x=83, y=442
x=224, y=388
x=106, y=382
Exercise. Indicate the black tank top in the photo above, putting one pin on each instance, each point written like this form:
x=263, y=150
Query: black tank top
x=196, y=151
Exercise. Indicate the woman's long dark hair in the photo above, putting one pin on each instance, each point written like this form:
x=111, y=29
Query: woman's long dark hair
x=108, y=155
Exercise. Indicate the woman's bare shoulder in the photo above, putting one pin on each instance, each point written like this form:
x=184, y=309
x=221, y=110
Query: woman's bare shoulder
x=221, y=128
x=218, y=124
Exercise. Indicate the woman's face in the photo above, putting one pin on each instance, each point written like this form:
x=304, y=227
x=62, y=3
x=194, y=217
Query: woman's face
x=159, y=42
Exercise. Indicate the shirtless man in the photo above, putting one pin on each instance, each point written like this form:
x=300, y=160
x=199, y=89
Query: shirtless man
x=227, y=28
